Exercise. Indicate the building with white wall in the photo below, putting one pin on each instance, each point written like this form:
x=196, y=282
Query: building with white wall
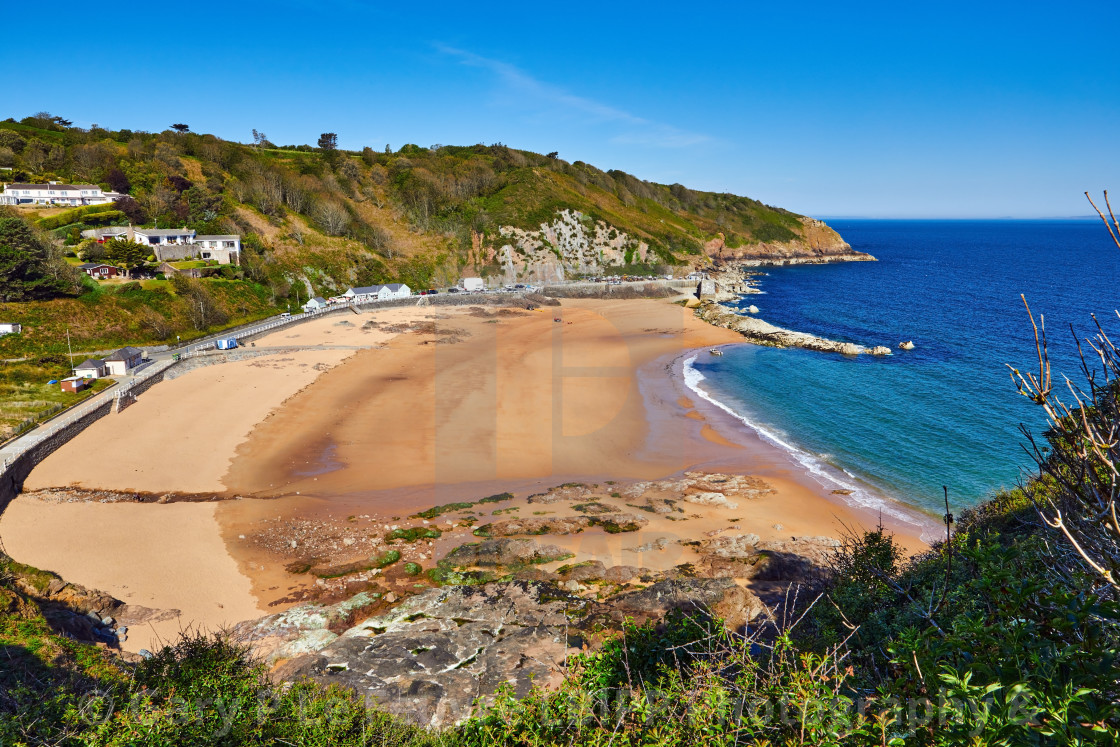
x=54, y=193
x=175, y=244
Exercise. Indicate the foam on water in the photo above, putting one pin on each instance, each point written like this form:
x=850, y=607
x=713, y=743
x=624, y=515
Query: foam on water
x=828, y=475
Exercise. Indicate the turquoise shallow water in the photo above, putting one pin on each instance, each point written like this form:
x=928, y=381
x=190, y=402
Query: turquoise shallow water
x=947, y=412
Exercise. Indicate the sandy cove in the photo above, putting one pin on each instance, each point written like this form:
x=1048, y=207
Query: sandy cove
x=445, y=405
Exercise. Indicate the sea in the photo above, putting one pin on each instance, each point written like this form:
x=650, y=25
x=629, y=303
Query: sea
x=946, y=414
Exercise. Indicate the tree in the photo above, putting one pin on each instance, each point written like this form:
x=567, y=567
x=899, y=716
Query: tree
x=259, y=138
x=332, y=216
x=118, y=181
x=13, y=140
x=202, y=309
x=328, y=141
x=181, y=127
x=29, y=271
x=1080, y=468
x=132, y=209
x=554, y=154
x=126, y=254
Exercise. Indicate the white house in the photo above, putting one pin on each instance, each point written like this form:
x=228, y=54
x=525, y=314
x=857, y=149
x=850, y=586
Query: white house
x=172, y=244
x=315, y=304
x=10, y=328
x=395, y=290
x=163, y=236
x=123, y=361
x=90, y=369
x=377, y=293
x=473, y=284
x=363, y=294
x=54, y=193
x=226, y=249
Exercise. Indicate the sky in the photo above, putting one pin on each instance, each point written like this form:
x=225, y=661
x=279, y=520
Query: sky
x=951, y=109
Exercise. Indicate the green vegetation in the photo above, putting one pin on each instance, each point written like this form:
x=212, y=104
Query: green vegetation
x=412, y=534
x=435, y=511
x=31, y=268
x=200, y=691
x=998, y=636
x=997, y=649
x=386, y=559
x=26, y=398
x=497, y=498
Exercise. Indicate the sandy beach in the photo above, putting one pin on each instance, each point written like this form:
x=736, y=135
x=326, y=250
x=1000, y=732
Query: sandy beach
x=329, y=447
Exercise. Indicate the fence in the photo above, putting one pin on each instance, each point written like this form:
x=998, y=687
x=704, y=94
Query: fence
x=112, y=397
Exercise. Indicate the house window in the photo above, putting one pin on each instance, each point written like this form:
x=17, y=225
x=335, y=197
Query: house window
x=206, y=255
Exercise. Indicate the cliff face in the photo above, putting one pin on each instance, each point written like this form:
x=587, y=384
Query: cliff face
x=574, y=244
x=817, y=243
x=571, y=244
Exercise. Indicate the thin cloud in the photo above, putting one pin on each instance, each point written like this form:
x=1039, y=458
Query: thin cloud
x=638, y=130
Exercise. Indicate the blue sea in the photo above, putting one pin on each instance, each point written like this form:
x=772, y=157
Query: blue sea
x=947, y=412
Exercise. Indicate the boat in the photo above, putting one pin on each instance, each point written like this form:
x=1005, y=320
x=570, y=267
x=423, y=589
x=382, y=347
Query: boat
x=713, y=351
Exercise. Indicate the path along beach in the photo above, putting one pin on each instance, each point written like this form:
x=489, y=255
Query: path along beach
x=440, y=405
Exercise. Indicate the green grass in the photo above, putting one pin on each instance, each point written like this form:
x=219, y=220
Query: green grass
x=26, y=395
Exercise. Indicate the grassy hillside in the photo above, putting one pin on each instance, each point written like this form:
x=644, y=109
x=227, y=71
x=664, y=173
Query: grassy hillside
x=332, y=218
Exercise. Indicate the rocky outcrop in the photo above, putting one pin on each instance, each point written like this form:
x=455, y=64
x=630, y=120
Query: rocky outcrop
x=763, y=333
x=611, y=522
x=505, y=553
x=438, y=654
x=572, y=243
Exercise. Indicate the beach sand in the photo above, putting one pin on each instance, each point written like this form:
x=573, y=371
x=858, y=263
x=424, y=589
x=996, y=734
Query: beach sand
x=161, y=556
x=446, y=404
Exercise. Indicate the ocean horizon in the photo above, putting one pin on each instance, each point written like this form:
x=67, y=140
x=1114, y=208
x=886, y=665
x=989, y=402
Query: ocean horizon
x=946, y=413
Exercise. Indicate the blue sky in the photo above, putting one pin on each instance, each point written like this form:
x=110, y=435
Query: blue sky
x=979, y=109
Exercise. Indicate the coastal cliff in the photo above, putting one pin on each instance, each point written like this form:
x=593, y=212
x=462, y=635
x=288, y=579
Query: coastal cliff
x=816, y=243
x=574, y=244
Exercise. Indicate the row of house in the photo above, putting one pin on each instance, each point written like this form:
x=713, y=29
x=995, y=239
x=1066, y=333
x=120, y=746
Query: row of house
x=365, y=294
x=175, y=244
x=54, y=193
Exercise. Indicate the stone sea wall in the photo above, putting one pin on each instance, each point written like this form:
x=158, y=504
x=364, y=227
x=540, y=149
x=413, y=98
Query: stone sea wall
x=16, y=470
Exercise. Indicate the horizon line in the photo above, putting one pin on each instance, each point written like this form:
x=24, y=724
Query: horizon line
x=951, y=217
